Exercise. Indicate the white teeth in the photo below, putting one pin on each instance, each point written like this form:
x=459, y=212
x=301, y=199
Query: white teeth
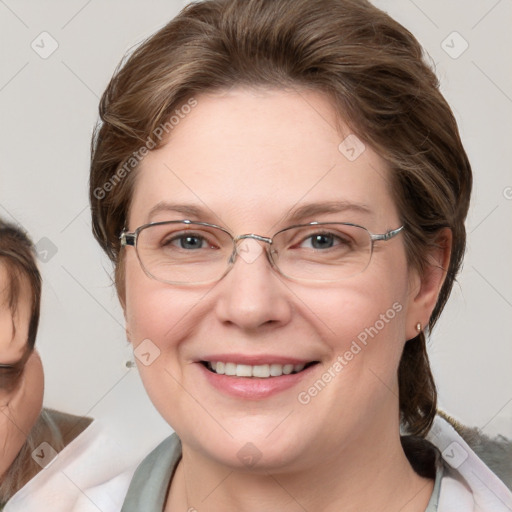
x=276, y=370
x=243, y=370
x=287, y=369
x=230, y=369
x=261, y=371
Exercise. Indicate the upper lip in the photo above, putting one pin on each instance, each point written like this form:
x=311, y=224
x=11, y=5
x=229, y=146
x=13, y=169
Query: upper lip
x=256, y=359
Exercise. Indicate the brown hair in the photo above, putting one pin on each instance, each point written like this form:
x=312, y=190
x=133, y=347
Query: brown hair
x=373, y=71
x=17, y=254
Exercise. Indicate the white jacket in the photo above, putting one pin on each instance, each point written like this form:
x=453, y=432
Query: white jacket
x=468, y=485
x=91, y=459
x=87, y=477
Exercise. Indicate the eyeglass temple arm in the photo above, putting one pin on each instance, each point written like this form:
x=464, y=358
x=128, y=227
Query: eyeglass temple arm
x=127, y=239
x=388, y=235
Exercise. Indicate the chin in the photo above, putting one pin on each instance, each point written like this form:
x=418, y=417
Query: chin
x=253, y=444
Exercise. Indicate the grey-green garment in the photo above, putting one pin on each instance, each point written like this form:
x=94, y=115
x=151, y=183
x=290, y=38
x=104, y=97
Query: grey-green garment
x=148, y=488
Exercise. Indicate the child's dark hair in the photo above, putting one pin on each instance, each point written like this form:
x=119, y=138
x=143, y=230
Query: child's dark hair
x=18, y=255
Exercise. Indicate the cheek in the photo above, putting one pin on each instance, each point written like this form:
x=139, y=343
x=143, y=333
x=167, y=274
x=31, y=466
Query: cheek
x=11, y=441
x=360, y=312
x=20, y=415
x=363, y=326
x=158, y=319
x=364, y=331
x=154, y=311
x=29, y=403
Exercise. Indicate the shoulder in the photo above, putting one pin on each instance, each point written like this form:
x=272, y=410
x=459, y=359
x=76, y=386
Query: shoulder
x=50, y=435
x=165, y=455
x=139, y=488
x=66, y=427
x=151, y=480
x=495, y=452
x=467, y=475
x=107, y=497
x=91, y=457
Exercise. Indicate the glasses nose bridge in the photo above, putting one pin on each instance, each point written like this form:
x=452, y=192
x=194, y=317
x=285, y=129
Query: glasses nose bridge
x=240, y=238
x=260, y=238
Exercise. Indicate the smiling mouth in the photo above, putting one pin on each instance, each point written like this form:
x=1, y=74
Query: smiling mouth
x=260, y=371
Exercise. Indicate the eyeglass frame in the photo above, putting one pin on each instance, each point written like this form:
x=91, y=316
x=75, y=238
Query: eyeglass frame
x=130, y=239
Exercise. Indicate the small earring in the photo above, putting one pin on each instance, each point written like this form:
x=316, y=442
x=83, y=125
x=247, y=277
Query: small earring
x=418, y=327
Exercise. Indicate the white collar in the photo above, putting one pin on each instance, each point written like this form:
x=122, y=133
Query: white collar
x=468, y=484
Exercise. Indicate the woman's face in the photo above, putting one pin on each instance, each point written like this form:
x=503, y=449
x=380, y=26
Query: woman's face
x=249, y=160
x=21, y=388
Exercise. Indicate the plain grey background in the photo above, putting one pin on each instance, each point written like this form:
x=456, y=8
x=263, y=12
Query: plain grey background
x=48, y=107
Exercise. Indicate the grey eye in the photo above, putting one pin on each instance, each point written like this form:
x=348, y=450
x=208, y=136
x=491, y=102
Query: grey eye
x=190, y=242
x=187, y=241
x=322, y=241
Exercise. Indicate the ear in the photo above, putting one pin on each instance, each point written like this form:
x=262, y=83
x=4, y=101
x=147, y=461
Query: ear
x=122, y=302
x=426, y=286
x=120, y=283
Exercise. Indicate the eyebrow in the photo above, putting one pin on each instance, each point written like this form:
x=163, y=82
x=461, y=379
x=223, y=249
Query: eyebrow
x=187, y=210
x=314, y=209
x=294, y=215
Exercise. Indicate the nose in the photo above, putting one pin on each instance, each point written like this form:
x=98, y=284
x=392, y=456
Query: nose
x=252, y=295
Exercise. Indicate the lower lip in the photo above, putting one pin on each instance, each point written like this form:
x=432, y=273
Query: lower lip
x=253, y=388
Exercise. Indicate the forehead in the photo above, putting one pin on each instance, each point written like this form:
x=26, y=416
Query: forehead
x=259, y=154
x=13, y=342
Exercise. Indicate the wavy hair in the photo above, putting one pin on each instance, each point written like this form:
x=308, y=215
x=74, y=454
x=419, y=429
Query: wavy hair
x=379, y=82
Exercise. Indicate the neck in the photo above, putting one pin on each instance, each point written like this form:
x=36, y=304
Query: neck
x=372, y=473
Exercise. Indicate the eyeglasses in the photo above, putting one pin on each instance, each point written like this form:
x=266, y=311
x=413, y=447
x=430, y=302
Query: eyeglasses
x=185, y=252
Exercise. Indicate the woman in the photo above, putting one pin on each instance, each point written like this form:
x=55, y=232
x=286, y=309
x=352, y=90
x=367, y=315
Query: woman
x=282, y=190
